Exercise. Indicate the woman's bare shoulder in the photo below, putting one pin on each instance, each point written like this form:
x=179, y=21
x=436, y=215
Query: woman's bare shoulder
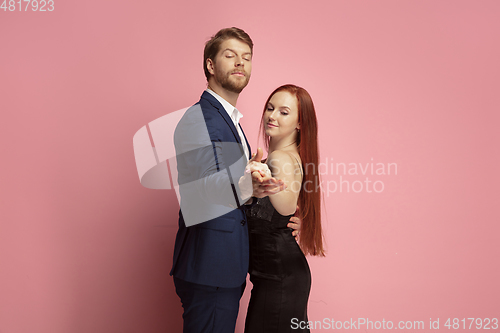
x=284, y=161
x=280, y=156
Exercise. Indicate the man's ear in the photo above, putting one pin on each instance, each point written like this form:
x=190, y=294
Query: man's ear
x=210, y=66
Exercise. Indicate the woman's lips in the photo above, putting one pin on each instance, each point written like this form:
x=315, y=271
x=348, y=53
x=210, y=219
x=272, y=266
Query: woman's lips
x=271, y=125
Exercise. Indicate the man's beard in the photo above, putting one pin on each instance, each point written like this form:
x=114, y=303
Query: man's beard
x=233, y=85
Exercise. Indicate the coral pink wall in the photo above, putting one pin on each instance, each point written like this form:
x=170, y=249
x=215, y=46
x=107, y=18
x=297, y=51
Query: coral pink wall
x=85, y=248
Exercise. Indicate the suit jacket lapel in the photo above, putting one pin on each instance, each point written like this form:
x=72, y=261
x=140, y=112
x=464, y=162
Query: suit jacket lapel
x=215, y=103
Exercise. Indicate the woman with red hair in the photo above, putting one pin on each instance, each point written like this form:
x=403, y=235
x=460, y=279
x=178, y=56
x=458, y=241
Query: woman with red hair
x=278, y=268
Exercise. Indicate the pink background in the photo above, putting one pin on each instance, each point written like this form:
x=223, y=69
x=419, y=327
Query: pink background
x=85, y=248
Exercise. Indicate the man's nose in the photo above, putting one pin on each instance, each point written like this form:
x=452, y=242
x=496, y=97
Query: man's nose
x=239, y=61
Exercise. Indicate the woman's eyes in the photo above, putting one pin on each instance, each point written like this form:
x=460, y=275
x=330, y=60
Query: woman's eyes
x=284, y=113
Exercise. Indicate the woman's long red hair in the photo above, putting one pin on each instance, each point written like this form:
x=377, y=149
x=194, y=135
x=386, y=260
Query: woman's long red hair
x=309, y=202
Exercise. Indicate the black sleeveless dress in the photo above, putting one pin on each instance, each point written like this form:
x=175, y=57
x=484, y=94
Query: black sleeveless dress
x=278, y=271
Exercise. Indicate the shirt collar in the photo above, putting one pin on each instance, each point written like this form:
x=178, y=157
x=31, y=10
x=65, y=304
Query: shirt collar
x=227, y=106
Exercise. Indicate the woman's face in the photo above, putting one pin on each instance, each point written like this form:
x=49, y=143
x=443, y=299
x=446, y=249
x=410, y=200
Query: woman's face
x=281, y=118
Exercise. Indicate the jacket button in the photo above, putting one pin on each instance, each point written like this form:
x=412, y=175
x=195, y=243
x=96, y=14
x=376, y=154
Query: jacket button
x=242, y=222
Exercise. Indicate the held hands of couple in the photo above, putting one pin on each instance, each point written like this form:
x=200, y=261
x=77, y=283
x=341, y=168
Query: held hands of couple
x=264, y=184
x=262, y=181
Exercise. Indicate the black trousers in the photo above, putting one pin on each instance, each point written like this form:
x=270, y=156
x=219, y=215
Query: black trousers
x=208, y=309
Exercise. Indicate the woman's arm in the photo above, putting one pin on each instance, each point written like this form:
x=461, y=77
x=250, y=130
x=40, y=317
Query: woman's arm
x=283, y=166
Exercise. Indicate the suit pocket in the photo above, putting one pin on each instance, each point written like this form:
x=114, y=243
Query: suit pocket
x=220, y=223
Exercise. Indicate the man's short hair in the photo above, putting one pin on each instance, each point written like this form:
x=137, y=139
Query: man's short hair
x=212, y=46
